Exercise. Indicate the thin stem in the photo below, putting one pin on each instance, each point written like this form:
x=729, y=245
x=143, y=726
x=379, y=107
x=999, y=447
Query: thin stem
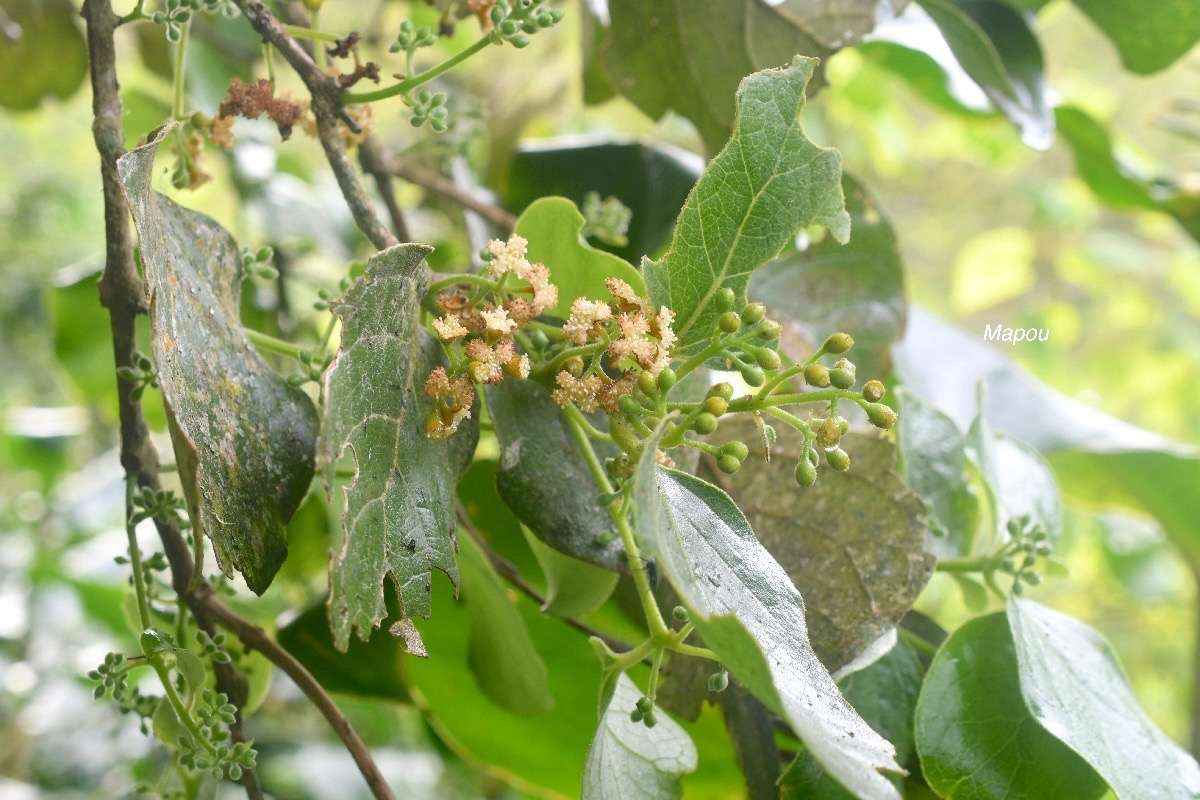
x=181, y=710
x=457, y=278
x=268, y=53
x=135, y=555
x=180, y=71
x=413, y=81
x=562, y=358
x=433, y=182
x=270, y=344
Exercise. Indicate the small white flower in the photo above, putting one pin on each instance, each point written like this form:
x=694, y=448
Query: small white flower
x=449, y=328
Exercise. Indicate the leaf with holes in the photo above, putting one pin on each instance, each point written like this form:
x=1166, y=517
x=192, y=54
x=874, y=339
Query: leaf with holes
x=244, y=439
x=398, y=515
x=767, y=182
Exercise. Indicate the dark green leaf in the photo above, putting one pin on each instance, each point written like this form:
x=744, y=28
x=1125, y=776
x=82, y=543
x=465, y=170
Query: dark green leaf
x=553, y=225
x=751, y=727
x=651, y=180
x=833, y=23
x=1149, y=37
x=86, y=357
x=749, y=613
x=767, y=182
x=857, y=287
x=48, y=58
x=689, y=55
x=885, y=694
x=506, y=666
x=398, y=518
x=1075, y=687
x=1115, y=184
x=629, y=761
x=856, y=583
x=976, y=739
x=935, y=467
x=923, y=72
x=996, y=47
x=244, y=439
x=544, y=479
x=373, y=669
x=574, y=588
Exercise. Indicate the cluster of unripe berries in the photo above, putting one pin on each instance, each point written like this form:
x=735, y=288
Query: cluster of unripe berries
x=1029, y=542
x=516, y=22
x=744, y=355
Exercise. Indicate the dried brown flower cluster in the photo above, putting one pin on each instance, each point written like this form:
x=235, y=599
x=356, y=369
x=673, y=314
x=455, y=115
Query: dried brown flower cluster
x=252, y=100
x=638, y=339
x=484, y=334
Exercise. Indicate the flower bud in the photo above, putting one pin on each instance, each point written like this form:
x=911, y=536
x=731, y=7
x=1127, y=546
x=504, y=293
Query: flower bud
x=753, y=376
x=873, y=391
x=838, y=343
x=754, y=313
x=705, y=423
x=728, y=464
x=843, y=374
x=718, y=681
x=735, y=449
x=722, y=389
x=828, y=434
x=729, y=322
x=806, y=472
x=880, y=415
x=725, y=299
x=666, y=379
x=574, y=365
x=433, y=422
x=769, y=329
x=648, y=384
x=680, y=614
x=630, y=406
x=768, y=359
x=716, y=406
x=838, y=459
x=817, y=375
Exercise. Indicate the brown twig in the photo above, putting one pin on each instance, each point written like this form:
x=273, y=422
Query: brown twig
x=122, y=293
x=370, y=157
x=327, y=108
x=509, y=571
x=436, y=183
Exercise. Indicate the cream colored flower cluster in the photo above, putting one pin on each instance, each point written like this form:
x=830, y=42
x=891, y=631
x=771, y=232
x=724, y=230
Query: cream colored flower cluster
x=638, y=339
x=485, y=334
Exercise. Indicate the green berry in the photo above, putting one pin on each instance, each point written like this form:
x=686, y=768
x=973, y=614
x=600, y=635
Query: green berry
x=817, y=375
x=644, y=705
x=716, y=406
x=843, y=374
x=666, y=379
x=725, y=299
x=1032, y=578
x=630, y=406
x=838, y=343
x=724, y=390
x=718, y=681
x=880, y=415
x=806, y=472
x=754, y=313
x=729, y=322
x=680, y=614
x=705, y=423
x=648, y=384
x=635, y=715
x=728, y=464
x=769, y=329
x=650, y=720
x=838, y=459
x=768, y=359
x=753, y=376
x=735, y=449
x=873, y=391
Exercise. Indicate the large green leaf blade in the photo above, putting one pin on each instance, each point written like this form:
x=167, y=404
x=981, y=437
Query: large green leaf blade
x=629, y=761
x=398, y=512
x=769, y=181
x=1075, y=687
x=244, y=439
x=976, y=739
x=47, y=57
x=1149, y=36
x=749, y=613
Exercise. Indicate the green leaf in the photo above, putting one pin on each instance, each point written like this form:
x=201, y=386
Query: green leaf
x=856, y=584
x=976, y=739
x=748, y=612
x=191, y=667
x=544, y=478
x=574, y=588
x=1114, y=183
x=767, y=182
x=244, y=439
x=373, y=669
x=167, y=727
x=1099, y=460
x=628, y=761
x=398, y=516
x=689, y=55
x=651, y=180
x=751, y=727
x=1075, y=687
x=885, y=694
x=553, y=225
x=996, y=47
x=857, y=287
x=833, y=23
x=1148, y=37
x=935, y=467
x=924, y=73
x=48, y=57
x=502, y=657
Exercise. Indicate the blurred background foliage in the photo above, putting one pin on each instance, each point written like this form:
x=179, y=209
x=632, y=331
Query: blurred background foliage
x=991, y=231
